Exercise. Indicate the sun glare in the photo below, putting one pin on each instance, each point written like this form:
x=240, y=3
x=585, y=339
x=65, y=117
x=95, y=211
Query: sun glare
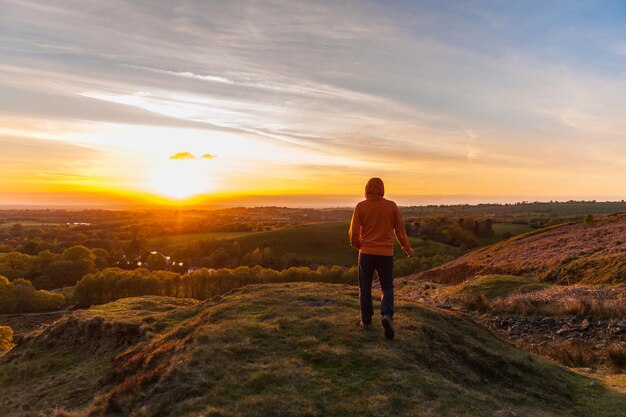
x=181, y=180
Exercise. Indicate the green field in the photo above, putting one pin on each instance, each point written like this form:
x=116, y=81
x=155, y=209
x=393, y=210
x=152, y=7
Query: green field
x=28, y=224
x=320, y=242
x=515, y=229
x=499, y=229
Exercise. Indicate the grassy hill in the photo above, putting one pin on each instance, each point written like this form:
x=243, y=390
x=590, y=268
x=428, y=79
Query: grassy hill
x=282, y=350
x=583, y=252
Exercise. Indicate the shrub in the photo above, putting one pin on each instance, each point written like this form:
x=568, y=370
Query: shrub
x=6, y=338
x=20, y=296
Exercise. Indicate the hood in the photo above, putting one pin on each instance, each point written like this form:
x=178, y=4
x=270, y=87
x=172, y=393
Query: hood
x=375, y=188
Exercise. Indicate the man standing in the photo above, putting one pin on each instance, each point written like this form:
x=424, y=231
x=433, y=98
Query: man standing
x=374, y=222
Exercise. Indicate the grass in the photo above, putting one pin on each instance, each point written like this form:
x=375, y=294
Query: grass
x=527, y=296
x=28, y=224
x=494, y=247
x=599, y=302
x=63, y=364
x=568, y=253
x=499, y=229
x=296, y=350
x=490, y=287
x=581, y=353
x=616, y=354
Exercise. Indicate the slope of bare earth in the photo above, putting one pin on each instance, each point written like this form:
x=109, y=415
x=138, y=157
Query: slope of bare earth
x=592, y=253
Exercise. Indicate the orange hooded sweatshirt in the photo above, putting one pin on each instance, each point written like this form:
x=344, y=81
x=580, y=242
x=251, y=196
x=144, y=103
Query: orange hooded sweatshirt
x=375, y=221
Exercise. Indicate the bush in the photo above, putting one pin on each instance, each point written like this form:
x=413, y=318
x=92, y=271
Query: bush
x=6, y=338
x=20, y=296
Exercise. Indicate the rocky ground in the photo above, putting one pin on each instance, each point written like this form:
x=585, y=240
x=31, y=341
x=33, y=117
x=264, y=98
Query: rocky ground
x=576, y=341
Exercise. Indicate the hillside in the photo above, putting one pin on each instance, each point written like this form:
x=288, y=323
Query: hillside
x=282, y=350
x=325, y=242
x=590, y=253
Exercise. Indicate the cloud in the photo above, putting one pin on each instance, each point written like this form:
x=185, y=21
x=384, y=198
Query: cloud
x=186, y=74
x=182, y=155
x=367, y=83
x=188, y=155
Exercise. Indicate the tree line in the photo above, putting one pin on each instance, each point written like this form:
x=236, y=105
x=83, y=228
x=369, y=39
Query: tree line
x=115, y=283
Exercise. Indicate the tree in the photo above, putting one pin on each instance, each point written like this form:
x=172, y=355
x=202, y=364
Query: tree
x=78, y=253
x=219, y=258
x=156, y=260
x=8, y=300
x=102, y=258
x=15, y=265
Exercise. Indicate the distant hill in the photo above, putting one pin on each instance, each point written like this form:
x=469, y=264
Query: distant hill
x=282, y=350
x=587, y=252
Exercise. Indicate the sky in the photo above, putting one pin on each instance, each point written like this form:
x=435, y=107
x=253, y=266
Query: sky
x=301, y=102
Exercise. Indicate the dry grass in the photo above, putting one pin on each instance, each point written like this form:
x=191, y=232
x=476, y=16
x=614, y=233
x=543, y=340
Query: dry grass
x=578, y=354
x=570, y=353
x=616, y=354
x=490, y=287
x=597, y=302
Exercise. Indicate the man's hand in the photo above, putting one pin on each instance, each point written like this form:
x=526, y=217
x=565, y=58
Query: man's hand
x=410, y=252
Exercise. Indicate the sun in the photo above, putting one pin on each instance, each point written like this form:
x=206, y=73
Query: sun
x=180, y=180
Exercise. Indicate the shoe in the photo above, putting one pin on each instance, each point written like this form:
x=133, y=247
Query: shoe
x=366, y=326
x=388, y=326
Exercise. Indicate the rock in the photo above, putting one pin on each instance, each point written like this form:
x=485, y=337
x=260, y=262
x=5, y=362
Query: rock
x=585, y=324
x=562, y=330
x=506, y=413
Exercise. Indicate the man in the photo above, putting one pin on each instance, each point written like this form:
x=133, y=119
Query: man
x=374, y=222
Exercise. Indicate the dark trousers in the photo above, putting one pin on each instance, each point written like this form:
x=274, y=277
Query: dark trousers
x=384, y=266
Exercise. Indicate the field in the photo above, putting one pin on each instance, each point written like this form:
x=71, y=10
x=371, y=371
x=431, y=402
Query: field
x=283, y=350
x=325, y=243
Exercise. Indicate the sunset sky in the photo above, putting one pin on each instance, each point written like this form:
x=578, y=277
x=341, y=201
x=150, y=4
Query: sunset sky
x=299, y=103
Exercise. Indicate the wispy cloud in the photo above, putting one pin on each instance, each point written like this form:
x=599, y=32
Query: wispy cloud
x=374, y=85
x=186, y=74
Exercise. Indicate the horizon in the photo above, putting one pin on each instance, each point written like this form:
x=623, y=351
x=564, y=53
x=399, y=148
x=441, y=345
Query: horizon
x=245, y=103
x=443, y=201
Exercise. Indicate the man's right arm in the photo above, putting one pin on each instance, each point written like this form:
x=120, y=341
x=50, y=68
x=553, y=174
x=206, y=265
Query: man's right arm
x=355, y=229
x=400, y=232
